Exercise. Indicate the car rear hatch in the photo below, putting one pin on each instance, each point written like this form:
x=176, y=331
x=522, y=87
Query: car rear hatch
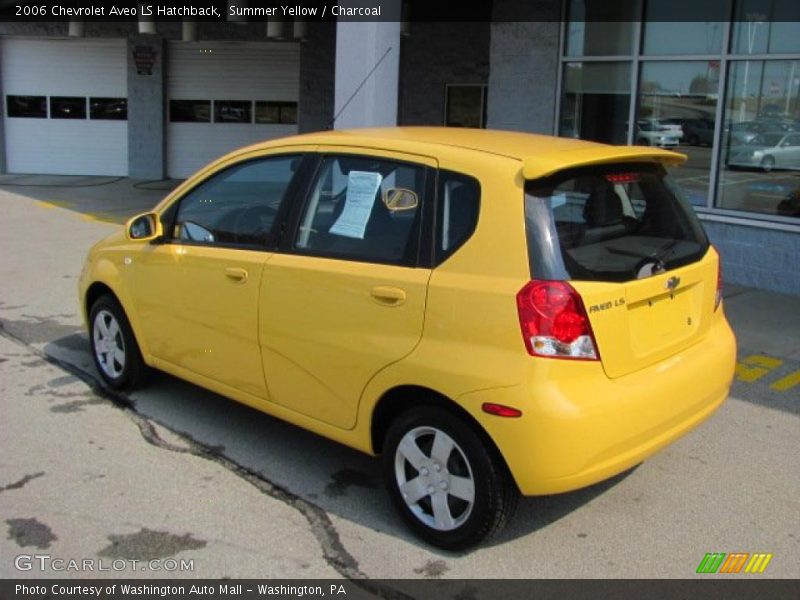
x=626, y=241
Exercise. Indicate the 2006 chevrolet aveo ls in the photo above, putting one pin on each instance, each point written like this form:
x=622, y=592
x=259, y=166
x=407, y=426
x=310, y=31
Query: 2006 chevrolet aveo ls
x=492, y=312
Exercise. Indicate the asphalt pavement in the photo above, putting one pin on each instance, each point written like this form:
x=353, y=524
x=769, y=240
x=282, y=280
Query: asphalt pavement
x=207, y=488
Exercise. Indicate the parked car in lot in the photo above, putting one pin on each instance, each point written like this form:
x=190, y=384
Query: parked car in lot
x=696, y=131
x=493, y=313
x=768, y=151
x=743, y=132
x=652, y=132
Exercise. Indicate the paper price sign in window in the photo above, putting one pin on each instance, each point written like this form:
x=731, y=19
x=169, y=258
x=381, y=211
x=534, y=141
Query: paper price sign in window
x=359, y=200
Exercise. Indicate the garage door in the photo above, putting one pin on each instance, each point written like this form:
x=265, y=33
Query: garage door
x=223, y=95
x=65, y=106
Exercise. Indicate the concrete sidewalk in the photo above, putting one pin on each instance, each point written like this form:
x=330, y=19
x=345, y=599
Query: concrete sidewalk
x=111, y=199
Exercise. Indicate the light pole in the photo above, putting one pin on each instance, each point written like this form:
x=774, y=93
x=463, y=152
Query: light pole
x=753, y=21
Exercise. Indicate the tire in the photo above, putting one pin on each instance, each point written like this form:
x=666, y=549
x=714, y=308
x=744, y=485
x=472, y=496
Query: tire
x=486, y=494
x=767, y=164
x=114, y=349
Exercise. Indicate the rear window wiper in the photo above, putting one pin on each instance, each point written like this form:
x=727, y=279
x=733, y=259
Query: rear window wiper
x=654, y=260
x=659, y=255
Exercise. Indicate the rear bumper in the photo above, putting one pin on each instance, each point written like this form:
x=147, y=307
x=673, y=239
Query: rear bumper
x=580, y=427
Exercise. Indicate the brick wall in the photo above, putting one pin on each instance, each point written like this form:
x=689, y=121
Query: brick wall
x=436, y=54
x=763, y=258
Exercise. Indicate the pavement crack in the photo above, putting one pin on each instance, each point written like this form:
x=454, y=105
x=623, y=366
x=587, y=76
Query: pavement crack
x=321, y=526
x=21, y=483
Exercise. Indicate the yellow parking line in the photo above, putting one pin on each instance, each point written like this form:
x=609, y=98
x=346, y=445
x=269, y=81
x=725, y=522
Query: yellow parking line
x=787, y=383
x=754, y=367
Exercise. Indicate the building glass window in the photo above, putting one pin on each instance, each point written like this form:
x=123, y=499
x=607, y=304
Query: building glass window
x=31, y=107
x=600, y=28
x=763, y=27
x=677, y=105
x=284, y=113
x=108, y=109
x=67, y=107
x=760, y=164
x=233, y=111
x=465, y=105
x=190, y=111
x=595, y=101
x=680, y=71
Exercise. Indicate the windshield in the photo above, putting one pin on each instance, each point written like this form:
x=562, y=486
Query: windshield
x=609, y=223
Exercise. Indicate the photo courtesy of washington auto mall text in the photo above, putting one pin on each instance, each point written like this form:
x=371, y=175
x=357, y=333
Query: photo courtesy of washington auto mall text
x=159, y=589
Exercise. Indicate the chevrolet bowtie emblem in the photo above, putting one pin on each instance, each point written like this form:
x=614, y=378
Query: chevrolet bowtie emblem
x=672, y=283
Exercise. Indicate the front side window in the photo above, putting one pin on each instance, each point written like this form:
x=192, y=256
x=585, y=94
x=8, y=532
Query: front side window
x=238, y=206
x=611, y=223
x=363, y=209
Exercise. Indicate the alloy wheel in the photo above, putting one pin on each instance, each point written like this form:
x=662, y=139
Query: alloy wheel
x=434, y=478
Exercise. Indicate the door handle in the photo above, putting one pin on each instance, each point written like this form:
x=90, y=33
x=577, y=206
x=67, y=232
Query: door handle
x=237, y=274
x=388, y=296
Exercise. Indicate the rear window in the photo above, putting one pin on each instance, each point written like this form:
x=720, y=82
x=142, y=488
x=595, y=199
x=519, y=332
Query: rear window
x=610, y=223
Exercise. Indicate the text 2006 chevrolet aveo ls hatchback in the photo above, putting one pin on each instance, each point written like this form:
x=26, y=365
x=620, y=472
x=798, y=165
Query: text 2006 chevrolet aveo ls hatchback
x=492, y=312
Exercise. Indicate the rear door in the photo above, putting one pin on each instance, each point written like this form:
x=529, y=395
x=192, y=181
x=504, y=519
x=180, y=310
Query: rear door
x=634, y=250
x=345, y=297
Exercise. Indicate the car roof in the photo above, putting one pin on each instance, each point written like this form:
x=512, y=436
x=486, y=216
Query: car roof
x=540, y=154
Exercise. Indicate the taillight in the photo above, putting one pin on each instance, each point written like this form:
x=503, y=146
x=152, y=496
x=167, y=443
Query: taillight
x=718, y=297
x=554, y=322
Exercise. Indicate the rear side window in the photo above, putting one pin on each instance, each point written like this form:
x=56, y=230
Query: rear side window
x=611, y=223
x=457, y=212
x=363, y=209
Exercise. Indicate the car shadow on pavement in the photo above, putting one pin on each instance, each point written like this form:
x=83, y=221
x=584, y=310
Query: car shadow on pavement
x=335, y=478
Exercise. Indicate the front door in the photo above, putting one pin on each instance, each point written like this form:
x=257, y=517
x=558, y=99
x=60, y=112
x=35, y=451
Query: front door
x=200, y=290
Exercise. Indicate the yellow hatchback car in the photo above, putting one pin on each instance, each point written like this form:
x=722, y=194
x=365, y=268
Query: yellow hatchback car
x=492, y=312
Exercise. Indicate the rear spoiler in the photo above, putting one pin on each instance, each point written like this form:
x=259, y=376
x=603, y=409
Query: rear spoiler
x=536, y=167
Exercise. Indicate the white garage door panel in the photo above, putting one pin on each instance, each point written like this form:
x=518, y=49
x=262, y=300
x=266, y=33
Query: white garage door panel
x=65, y=67
x=226, y=71
x=66, y=147
x=234, y=71
x=194, y=145
x=84, y=68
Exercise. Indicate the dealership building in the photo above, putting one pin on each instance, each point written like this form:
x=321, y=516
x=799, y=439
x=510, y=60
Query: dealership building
x=160, y=98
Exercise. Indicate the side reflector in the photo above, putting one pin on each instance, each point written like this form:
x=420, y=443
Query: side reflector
x=501, y=411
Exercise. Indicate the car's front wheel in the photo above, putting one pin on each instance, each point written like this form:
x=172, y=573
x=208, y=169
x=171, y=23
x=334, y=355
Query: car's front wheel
x=767, y=164
x=114, y=349
x=448, y=483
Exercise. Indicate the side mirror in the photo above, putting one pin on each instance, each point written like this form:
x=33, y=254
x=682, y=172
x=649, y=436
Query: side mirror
x=144, y=228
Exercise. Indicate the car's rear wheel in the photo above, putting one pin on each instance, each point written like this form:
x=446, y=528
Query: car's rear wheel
x=767, y=164
x=114, y=349
x=450, y=486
